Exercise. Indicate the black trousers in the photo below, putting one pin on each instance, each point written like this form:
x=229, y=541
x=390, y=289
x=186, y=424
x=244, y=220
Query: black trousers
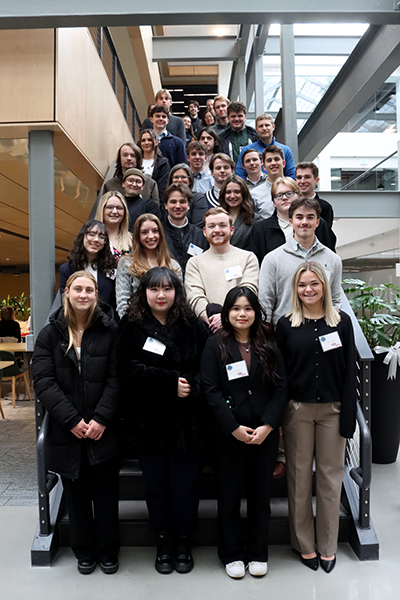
x=92, y=502
x=237, y=463
x=172, y=491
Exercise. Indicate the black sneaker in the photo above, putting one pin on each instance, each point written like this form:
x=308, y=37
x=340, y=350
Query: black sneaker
x=183, y=555
x=85, y=567
x=164, y=559
x=109, y=565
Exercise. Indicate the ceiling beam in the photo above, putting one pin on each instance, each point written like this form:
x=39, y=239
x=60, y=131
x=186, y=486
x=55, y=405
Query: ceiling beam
x=315, y=45
x=26, y=14
x=374, y=58
x=194, y=49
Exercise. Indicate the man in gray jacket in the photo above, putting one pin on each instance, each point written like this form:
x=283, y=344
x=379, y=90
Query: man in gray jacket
x=279, y=265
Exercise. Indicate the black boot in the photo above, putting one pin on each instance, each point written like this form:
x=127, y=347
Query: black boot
x=183, y=555
x=164, y=558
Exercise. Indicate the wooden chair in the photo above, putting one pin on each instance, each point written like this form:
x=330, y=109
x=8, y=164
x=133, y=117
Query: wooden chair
x=14, y=372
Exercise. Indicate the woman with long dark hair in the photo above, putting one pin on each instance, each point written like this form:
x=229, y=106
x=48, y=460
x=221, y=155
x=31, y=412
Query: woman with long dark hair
x=159, y=359
x=74, y=375
x=235, y=198
x=211, y=141
x=244, y=383
x=91, y=252
x=155, y=165
x=149, y=250
x=317, y=344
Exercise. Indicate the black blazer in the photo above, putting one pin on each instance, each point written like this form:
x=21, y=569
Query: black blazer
x=105, y=284
x=160, y=175
x=252, y=401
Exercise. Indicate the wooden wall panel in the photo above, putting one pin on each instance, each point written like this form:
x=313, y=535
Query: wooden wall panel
x=27, y=75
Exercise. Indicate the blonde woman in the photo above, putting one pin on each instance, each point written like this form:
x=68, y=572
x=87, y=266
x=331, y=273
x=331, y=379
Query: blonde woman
x=317, y=344
x=113, y=212
x=74, y=374
x=149, y=249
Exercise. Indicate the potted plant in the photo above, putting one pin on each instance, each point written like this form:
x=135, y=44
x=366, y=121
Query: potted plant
x=19, y=304
x=377, y=310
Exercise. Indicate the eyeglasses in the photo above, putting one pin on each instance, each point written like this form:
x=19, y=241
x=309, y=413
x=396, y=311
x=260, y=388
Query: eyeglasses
x=136, y=182
x=288, y=194
x=117, y=208
x=180, y=178
x=95, y=234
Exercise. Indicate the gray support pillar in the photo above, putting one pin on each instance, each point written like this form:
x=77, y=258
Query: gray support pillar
x=259, y=85
x=289, y=110
x=241, y=66
x=41, y=226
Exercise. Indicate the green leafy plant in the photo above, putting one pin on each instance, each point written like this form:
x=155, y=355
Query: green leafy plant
x=377, y=310
x=19, y=304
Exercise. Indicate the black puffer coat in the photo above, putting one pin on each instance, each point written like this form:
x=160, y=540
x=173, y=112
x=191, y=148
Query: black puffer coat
x=70, y=396
x=157, y=419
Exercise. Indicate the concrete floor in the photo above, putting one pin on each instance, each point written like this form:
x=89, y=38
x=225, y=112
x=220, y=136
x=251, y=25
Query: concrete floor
x=137, y=579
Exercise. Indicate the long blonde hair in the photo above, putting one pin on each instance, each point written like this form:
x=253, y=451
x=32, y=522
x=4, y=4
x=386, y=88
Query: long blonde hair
x=139, y=262
x=124, y=235
x=332, y=316
x=69, y=312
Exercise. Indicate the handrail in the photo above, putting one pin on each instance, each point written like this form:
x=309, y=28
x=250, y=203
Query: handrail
x=362, y=474
x=364, y=351
x=362, y=175
x=41, y=464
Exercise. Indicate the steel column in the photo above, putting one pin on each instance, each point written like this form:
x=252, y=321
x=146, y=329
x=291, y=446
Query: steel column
x=288, y=78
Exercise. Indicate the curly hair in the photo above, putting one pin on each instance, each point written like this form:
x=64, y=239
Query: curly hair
x=104, y=261
x=262, y=336
x=156, y=277
x=246, y=208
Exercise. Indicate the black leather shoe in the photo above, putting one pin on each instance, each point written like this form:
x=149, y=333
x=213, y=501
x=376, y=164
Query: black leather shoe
x=85, y=567
x=327, y=565
x=109, y=565
x=311, y=563
x=164, y=558
x=183, y=556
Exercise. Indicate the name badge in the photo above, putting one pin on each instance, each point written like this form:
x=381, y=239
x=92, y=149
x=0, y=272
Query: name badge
x=237, y=370
x=194, y=250
x=330, y=341
x=154, y=346
x=233, y=273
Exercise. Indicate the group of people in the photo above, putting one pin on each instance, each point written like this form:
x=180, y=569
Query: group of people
x=169, y=328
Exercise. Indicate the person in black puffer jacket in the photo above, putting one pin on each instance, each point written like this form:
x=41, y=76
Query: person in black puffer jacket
x=74, y=374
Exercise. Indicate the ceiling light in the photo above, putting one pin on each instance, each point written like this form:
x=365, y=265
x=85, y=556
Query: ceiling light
x=220, y=31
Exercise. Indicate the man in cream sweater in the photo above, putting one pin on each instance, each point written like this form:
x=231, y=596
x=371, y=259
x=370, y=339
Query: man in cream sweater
x=210, y=275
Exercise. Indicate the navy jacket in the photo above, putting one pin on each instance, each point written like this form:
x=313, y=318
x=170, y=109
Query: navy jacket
x=105, y=284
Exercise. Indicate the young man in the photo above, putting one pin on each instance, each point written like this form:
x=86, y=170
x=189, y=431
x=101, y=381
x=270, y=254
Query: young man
x=265, y=129
x=132, y=185
x=129, y=155
x=193, y=112
x=221, y=166
x=257, y=182
x=238, y=134
x=279, y=265
x=220, y=109
x=196, y=155
x=183, y=239
x=307, y=179
x=210, y=276
x=176, y=125
x=170, y=146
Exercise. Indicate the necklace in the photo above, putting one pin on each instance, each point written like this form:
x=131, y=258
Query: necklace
x=245, y=345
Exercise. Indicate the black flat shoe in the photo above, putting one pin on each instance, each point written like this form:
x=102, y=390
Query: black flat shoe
x=85, y=567
x=183, y=556
x=327, y=565
x=164, y=559
x=311, y=563
x=109, y=565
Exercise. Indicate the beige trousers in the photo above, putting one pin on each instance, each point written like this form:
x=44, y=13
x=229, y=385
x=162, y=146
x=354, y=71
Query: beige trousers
x=313, y=430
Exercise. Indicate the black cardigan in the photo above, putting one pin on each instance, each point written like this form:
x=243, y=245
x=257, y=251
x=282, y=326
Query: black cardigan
x=178, y=240
x=315, y=376
x=254, y=402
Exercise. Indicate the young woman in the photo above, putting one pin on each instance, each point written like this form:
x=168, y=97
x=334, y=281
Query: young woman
x=211, y=140
x=244, y=382
x=113, y=212
x=208, y=119
x=155, y=165
x=9, y=326
x=188, y=129
x=149, y=250
x=181, y=173
x=91, y=252
x=235, y=198
x=317, y=344
x=74, y=374
x=159, y=357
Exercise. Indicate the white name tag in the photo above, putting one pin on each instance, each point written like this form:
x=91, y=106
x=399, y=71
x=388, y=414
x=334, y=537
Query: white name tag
x=237, y=369
x=194, y=250
x=233, y=273
x=154, y=346
x=330, y=341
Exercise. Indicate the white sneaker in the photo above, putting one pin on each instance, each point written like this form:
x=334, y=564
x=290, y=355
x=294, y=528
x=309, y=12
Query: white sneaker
x=235, y=569
x=258, y=569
